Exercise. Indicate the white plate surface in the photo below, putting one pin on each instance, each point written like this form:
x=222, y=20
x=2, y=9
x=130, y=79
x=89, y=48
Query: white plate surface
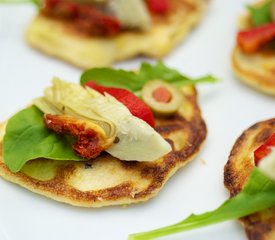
x=228, y=108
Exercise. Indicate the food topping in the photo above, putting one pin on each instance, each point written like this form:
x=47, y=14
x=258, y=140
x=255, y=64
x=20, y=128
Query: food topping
x=252, y=40
x=135, y=80
x=264, y=149
x=272, y=11
x=137, y=140
x=84, y=18
x=131, y=13
x=158, y=6
x=136, y=106
x=91, y=139
x=101, y=18
x=267, y=164
x=260, y=12
x=264, y=157
x=163, y=98
x=26, y=138
x=162, y=94
x=69, y=107
x=257, y=194
x=262, y=28
x=65, y=98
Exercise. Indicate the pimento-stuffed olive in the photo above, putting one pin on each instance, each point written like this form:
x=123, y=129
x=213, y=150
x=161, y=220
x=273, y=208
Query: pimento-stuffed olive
x=163, y=98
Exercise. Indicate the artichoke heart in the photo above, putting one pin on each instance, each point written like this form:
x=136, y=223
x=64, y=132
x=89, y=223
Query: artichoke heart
x=74, y=100
x=136, y=139
x=131, y=13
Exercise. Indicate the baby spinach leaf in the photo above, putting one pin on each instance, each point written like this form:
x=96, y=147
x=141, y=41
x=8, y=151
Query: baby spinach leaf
x=261, y=14
x=27, y=138
x=110, y=77
x=134, y=81
x=258, y=194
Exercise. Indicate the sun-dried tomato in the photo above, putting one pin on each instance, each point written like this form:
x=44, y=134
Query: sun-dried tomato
x=90, y=140
x=84, y=18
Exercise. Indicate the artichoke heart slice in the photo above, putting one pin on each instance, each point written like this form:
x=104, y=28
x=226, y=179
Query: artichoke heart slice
x=131, y=13
x=72, y=99
x=136, y=139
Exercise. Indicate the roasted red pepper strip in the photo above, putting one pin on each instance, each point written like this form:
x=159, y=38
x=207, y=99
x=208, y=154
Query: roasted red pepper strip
x=158, y=6
x=136, y=106
x=264, y=149
x=251, y=40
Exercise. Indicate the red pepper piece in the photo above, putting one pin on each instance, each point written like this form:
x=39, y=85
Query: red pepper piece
x=251, y=40
x=158, y=6
x=136, y=106
x=264, y=149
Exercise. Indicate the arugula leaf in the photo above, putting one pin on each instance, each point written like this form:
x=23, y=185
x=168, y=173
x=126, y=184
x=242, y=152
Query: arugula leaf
x=134, y=81
x=160, y=71
x=27, y=138
x=258, y=194
x=261, y=14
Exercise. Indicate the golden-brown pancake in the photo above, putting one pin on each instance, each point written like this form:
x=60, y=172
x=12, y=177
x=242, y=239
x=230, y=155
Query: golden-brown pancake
x=261, y=225
x=254, y=69
x=108, y=181
x=55, y=38
x=257, y=69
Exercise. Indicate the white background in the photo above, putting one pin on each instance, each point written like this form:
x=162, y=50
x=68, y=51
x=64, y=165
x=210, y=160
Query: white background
x=228, y=107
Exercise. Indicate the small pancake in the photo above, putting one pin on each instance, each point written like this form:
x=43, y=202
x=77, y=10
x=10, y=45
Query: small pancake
x=261, y=225
x=108, y=181
x=254, y=69
x=57, y=39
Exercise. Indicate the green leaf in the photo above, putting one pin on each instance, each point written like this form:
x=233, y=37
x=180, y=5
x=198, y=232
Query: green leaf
x=110, y=77
x=36, y=2
x=134, y=81
x=160, y=71
x=258, y=194
x=27, y=138
x=261, y=14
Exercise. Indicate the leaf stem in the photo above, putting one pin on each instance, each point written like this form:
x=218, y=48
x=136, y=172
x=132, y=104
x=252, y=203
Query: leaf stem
x=256, y=196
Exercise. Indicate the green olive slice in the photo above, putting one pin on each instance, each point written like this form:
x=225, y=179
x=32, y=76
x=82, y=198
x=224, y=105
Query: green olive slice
x=163, y=98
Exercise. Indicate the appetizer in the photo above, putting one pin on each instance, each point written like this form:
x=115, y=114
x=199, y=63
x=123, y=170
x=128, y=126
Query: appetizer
x=253, y=58
x=96, y=143
x=255, y=147
x=249, y=175
x=94, y=33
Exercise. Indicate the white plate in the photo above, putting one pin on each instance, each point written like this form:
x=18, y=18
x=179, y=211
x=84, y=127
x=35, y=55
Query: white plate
x=228, y=107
